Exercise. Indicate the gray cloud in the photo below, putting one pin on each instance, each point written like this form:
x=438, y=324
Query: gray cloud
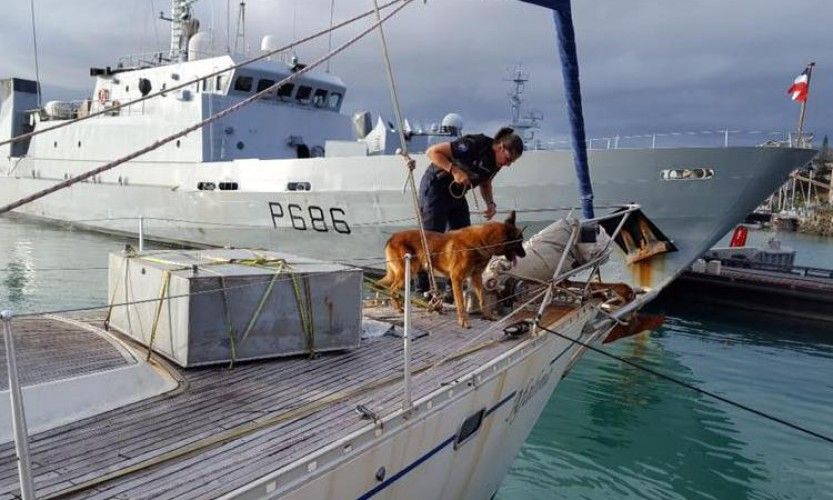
x=647, y=65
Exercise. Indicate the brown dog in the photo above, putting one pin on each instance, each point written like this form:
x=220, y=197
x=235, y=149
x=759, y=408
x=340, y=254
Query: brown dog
x=458, y=254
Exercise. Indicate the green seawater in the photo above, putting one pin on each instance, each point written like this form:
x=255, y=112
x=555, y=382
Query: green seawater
x=610, y=430
x=613, y=431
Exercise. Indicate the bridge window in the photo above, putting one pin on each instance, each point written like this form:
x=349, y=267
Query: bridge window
x=264, y=84
x=303, y=94
x=319, y=99
x=285, y=91
x=220, y=83
x=243, y=83
x=334, y=101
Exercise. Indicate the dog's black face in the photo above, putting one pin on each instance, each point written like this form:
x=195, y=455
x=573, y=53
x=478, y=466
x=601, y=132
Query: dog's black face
x=513, y=248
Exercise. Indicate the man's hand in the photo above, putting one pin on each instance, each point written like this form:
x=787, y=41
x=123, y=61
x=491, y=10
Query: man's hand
x=491, y=210
x=460, y=177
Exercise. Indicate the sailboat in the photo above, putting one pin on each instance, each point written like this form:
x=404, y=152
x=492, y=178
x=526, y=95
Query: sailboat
x=339, y=425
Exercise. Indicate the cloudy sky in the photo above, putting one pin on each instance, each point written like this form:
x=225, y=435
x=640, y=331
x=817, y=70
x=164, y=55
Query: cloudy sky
x=647, y=65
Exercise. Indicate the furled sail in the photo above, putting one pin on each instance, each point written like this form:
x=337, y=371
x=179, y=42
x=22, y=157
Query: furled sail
x=562, y=13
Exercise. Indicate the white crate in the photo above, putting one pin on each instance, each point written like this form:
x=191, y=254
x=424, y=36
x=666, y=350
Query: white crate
x=220, y=304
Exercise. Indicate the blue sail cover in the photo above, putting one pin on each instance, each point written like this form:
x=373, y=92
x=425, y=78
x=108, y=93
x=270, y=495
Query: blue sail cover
x=563, y=16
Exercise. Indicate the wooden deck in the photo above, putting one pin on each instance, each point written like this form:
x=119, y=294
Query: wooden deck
x=43, y=356
x=307, y=403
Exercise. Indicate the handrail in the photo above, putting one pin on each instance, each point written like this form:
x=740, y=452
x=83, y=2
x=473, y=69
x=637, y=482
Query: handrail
x=805, y=271
x=661, y=140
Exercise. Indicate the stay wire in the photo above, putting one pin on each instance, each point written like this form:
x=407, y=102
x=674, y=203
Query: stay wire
x=35, y=45
x=682, y=383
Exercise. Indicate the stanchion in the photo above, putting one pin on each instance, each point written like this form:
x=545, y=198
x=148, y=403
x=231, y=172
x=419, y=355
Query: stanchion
x=141, y=234
x=21, y=442
x=406, y=401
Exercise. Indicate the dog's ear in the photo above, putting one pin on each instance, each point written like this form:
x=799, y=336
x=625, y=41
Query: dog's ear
x=511, y=219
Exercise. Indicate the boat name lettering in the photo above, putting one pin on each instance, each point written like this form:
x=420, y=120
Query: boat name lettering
x=525, y=395
x=314, y=217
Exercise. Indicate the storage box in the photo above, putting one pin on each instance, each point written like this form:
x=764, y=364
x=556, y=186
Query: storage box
x=215, y=306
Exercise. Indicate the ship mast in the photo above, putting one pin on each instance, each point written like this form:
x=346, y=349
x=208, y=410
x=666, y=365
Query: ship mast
x=519, y=79
x=527, y=124
x=180, y=29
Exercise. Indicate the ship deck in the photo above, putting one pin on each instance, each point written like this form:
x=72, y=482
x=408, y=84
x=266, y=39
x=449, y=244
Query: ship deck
x=223, y=428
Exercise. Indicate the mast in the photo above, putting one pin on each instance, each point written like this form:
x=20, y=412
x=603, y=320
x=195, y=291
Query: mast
x=519, y=79
x=240, y=39
x=528, y=123
x=180, y=29
x=804, y=105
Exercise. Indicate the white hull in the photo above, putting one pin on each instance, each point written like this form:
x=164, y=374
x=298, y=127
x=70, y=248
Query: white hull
x=355, y=203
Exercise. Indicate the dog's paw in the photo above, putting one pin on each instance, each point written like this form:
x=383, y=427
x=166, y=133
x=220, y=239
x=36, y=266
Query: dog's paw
x=488, y=316
x=464, y=323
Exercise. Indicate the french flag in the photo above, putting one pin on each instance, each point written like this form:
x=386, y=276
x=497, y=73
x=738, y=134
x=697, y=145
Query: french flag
x=801, y=85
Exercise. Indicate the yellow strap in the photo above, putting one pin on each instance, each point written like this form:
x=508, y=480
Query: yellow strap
x=303, y=301
x=166, y=281
x=260, y=305
x=122, y=270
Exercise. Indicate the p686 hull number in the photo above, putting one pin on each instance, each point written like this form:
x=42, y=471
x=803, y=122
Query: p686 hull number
x=311, y=218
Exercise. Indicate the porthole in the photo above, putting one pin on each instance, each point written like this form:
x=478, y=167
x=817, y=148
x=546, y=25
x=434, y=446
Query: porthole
x=79, y=144
x=240, y=145
x=687, y=174
x=55, y=144
x=177, y=143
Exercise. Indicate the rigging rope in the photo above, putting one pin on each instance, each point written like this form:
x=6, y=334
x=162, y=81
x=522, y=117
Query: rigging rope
x=35, y=44
x=410, y=163
x=117, y=106
x=161, y=142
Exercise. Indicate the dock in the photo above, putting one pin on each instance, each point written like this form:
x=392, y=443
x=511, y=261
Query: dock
x=797, y=292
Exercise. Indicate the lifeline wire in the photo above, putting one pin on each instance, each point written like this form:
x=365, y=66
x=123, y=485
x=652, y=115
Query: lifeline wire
x=375, y=260
x=669, y=378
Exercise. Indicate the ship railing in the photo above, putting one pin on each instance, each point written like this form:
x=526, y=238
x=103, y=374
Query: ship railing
x=692, y=138
x=143, y=60
x=803, y=271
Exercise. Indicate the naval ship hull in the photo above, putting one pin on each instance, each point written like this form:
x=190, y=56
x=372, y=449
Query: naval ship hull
x=345, y=208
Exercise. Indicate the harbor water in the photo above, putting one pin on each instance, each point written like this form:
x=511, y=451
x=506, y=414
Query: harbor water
x=610, y=430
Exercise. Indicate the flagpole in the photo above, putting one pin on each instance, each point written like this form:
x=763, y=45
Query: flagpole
x=804, y=105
